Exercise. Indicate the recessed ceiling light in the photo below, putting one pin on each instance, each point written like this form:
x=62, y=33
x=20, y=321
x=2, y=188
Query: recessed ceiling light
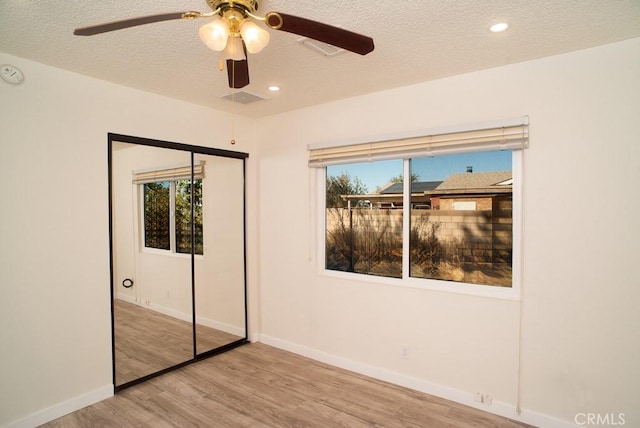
x=496, y=28
x=274, y=88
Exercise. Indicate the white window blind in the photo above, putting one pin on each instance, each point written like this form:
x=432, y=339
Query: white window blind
x=169, y=174
x=510, y=136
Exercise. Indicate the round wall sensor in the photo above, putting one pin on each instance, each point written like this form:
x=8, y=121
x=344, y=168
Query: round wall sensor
x=11, y=74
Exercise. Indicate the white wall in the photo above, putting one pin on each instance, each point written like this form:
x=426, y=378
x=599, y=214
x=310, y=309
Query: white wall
x=161, y=281
x=54, y=271
x=580, y=348
x=219, y=283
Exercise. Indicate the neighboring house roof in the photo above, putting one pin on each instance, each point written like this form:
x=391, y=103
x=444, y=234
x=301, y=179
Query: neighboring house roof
x=476, y=180
x=416, y=187
x=466, y=183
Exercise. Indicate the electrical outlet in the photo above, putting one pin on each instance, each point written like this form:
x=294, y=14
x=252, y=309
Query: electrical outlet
x=404, y=352
x=479, y=397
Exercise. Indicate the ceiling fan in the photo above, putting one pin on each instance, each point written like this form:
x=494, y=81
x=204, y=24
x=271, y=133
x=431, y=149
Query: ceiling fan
x=233, y=31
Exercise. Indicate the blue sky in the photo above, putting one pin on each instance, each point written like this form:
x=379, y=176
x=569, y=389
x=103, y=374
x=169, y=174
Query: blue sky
x=375, y=174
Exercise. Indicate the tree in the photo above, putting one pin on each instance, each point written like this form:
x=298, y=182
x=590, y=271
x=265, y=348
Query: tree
x=156, y=215
x=426, y=249
x=343, y=184
x=400, y=178
x=183, y=216
x=341, y=237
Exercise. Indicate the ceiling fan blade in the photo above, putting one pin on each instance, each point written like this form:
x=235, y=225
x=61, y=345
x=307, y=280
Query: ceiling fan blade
x=238, y=71
x=132, y=22
x=335, y=36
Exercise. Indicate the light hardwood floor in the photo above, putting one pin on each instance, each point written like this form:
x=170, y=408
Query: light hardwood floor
x=148, y=341
x=256, y=385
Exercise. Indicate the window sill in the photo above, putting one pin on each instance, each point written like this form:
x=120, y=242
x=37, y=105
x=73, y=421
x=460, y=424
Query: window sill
x=168, y=253
x=478, y=290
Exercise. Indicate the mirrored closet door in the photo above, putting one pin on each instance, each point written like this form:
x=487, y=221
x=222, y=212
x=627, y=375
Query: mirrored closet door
x=220, y=276
x=177, y=255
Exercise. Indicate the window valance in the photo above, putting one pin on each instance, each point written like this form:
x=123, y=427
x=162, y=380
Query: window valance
x=169, y=174
x=511, y=135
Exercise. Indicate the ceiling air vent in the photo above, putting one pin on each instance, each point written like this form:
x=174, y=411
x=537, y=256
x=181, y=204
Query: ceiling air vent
x=324, y=48
x=243, y=97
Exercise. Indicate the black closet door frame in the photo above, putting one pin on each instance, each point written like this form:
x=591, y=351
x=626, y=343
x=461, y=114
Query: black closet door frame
x=120, y=138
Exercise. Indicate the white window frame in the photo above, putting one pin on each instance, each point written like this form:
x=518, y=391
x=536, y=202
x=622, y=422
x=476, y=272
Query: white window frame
x=318, y=206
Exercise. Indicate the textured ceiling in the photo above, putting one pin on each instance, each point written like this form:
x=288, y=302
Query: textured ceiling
x=415, y=41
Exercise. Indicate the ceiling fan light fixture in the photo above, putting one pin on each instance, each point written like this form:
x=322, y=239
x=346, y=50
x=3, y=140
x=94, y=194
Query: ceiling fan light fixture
x=233, y=50
x=255, y=38
x=215, y=34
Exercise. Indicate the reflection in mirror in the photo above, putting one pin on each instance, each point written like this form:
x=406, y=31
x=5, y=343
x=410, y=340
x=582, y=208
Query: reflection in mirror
x=152, y=285
x=219, y=270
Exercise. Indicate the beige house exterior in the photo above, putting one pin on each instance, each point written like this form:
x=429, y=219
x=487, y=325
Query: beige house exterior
x=473, y=191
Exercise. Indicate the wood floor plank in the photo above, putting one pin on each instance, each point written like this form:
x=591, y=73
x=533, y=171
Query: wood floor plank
x=260, y=386
x=147, y=341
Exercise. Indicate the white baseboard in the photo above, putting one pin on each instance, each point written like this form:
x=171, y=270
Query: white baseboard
x=54, y=412
x=227, y=328
x=463, y=397
x=127, y=298
x=155, y=307
x=207, y=322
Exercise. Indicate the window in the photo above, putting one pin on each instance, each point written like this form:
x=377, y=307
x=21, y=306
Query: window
x=446, y=215
x=161, y=200
x=183, y=216
x=157, y=215
x=363, y=233
x=166, y=209
x=467, y=235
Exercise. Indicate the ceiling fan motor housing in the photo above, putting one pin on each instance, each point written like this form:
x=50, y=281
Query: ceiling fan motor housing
x=244, y=5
